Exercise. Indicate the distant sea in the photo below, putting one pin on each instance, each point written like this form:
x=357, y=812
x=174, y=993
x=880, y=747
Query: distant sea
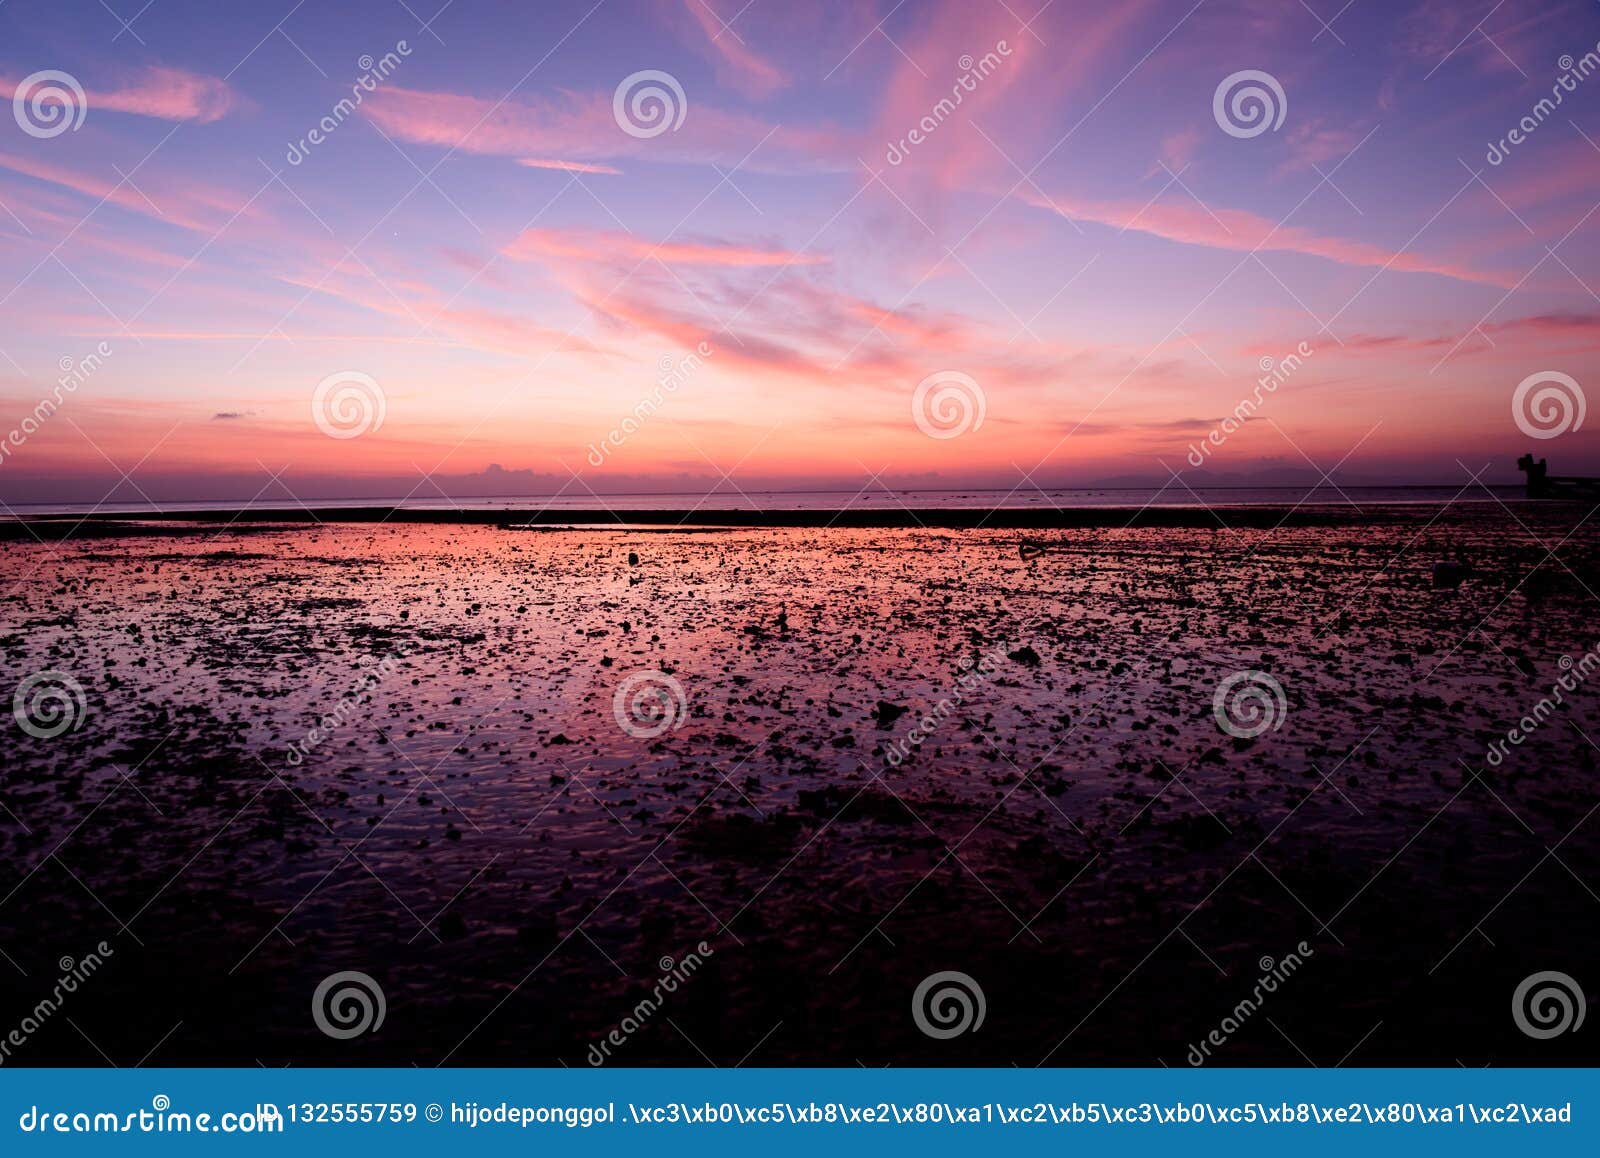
x=875, y=499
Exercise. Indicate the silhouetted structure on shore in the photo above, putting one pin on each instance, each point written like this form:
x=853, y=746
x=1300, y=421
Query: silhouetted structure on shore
x=1544, y=485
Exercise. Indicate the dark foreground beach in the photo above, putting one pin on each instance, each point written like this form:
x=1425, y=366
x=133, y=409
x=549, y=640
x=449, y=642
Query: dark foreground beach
x=731, y=794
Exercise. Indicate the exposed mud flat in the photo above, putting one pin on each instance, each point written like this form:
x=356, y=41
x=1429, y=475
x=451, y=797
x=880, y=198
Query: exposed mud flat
x=478, y=833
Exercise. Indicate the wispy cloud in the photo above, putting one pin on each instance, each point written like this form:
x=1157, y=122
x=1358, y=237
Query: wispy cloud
x=583, y=127
x=168, y=94
x=1188, y=223
x=596, y=245
x=739, y=65
x=190, y=205
x=566, y=166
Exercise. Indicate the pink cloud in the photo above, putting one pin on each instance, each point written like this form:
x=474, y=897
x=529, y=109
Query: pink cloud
x=1569, y=331
x=168, y=94
x=129, y=249
x=983, y=80
x=191, y=205
x=774, y=341
x=1566, y=170
x=1508, y=41
x=737, y=64
x=605, y=246
x=1178, y=150
x=583, y=127
x=687, y=332
x=1313, y=142
x=788, y=331
x=424, y=311
x=827, y=317
x=1242, y=232
x=566, y=166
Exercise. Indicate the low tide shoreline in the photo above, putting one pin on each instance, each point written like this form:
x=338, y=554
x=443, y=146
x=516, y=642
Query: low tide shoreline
x=515, y=778
x=1241, y=517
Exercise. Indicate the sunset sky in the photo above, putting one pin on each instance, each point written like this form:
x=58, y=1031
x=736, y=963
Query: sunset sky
x=510, y=268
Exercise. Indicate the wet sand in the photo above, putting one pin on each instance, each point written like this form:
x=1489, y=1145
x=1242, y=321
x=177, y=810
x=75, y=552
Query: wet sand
x=1260, y=516
x=1078, y=835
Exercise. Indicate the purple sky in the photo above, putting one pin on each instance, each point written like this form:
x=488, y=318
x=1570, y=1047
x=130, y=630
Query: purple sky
x=302, y=252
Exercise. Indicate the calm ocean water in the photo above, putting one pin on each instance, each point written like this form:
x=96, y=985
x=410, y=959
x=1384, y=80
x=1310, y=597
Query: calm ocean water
x=878, y=498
